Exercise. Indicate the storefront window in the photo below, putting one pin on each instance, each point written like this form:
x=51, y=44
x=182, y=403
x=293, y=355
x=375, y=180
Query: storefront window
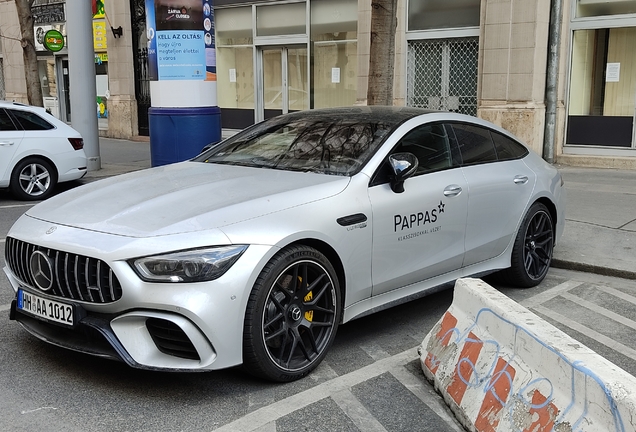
x=334, y=26
x=285, y=19
x=602, y=87
x=440, y=14
x=234, y=56
x=593, y=8
x=233, y=26
x=235, y=77
x=101, y=85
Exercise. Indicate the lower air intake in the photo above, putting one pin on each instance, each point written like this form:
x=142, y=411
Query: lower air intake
x=171, y=339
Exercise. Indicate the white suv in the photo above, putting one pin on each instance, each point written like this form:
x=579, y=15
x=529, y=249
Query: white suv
x=37, y=151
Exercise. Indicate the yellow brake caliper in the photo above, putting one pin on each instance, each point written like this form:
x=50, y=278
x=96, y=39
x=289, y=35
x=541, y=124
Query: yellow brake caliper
x=309, y=315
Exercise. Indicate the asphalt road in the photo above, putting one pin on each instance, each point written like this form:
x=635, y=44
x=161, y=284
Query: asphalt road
x=370, y=380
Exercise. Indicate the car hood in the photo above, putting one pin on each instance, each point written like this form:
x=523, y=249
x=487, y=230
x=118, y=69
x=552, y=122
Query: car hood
x=184, y=197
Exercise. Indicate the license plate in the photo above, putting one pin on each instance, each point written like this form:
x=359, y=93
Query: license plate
x=44, y=308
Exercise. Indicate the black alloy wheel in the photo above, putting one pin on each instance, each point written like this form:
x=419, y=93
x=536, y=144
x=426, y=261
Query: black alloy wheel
x=532, y=250
x=538, y=244
x=292, y=315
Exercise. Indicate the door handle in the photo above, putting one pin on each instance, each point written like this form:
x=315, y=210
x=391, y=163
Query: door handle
x=521, y=179
x=6, y=143
x=452, y=190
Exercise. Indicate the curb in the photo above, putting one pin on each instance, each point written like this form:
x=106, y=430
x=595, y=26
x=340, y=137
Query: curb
x=500, y=367
x=591, y=268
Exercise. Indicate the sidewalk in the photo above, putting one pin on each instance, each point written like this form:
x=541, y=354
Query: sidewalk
x=600, y=226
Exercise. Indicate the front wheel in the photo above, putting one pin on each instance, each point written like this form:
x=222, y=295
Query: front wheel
x=292, y=315
x=33, y=179
x=532, y=250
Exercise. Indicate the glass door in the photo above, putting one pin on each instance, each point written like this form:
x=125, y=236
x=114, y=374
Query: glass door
x=283, y=86
x=63, y=88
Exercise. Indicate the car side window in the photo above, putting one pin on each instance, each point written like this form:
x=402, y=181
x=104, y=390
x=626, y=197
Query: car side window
x=507, y=148
x=430, y=144
x=475, y=144
x=5, y=122
x=31, y=121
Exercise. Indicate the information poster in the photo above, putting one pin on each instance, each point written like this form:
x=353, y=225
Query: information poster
x=210, y=50
x=181, y=40
x=152, y=40
x=613, y=72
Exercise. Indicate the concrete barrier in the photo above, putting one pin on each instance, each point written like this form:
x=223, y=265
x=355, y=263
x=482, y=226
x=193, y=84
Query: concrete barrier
x=502, y=368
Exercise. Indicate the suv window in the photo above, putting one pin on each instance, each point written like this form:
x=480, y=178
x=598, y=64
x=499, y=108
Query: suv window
x=507, y=148
x=5, y=121
x=475, y=144
x=31, y=121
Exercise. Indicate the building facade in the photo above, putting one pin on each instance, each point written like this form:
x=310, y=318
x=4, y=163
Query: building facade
x=480, y=57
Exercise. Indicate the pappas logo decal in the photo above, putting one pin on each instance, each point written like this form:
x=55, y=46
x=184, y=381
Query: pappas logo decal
x=414, y=220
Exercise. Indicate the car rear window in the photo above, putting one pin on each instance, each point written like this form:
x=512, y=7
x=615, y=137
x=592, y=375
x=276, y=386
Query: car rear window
x=31, y=121
x=507, y=148
x=475, y=144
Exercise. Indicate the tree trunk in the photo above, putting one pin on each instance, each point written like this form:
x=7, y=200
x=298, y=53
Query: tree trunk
x=382, y=53
x=25, y=18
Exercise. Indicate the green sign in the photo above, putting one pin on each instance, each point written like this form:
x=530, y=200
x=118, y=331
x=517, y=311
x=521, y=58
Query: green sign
x=53, y=41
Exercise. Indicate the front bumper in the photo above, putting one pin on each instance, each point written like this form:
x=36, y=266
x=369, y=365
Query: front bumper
x=177, y=345
x=160, y=326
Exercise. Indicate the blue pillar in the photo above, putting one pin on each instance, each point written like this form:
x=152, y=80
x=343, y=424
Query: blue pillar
x=184, y=116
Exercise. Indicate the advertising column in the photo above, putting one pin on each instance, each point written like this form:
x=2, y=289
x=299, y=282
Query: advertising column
x=184, y=116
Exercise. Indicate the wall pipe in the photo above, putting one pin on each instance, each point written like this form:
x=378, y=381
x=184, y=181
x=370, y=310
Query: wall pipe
x=552, y=80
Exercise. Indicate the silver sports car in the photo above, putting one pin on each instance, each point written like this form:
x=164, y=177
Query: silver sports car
x=256, y=250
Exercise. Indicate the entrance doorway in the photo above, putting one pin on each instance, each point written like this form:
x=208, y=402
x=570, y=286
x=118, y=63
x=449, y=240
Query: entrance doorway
x=63, y=88
x=283, y=85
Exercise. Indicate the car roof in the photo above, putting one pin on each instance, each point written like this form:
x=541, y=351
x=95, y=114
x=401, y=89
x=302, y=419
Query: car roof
x=10, y=104
x=392, y=115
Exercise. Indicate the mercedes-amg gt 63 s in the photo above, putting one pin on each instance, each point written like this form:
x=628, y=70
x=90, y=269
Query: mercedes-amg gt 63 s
x=256, y=250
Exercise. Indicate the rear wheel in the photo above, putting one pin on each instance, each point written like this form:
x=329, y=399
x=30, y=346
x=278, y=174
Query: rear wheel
x=532, y=250
x=33, y=179
x=292, y=315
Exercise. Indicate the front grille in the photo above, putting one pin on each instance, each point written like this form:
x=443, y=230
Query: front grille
x=171, y=339
x=75, y=277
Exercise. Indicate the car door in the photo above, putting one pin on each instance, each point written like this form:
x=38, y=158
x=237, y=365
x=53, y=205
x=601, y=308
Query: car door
x=499, y=188
x=10, y=139
x=419, y=233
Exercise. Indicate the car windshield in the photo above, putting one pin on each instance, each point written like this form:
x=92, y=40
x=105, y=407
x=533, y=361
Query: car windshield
x=327, y=145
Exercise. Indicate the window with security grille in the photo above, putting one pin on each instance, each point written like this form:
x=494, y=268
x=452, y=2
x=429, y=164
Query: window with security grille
x=442, y=74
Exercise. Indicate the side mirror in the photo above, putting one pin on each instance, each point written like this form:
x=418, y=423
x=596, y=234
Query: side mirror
x=207, y=147
x=404, y=166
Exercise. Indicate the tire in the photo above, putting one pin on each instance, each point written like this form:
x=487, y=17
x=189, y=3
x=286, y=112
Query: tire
x=288, y=329
x=33, y=179
x=532, y=250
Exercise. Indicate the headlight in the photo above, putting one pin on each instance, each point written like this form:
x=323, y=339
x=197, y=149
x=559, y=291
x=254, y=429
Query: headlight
x=197, y=265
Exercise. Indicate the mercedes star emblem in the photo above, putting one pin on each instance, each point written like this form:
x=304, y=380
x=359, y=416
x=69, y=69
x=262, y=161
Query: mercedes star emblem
x=41, y=270
x=296, y=313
